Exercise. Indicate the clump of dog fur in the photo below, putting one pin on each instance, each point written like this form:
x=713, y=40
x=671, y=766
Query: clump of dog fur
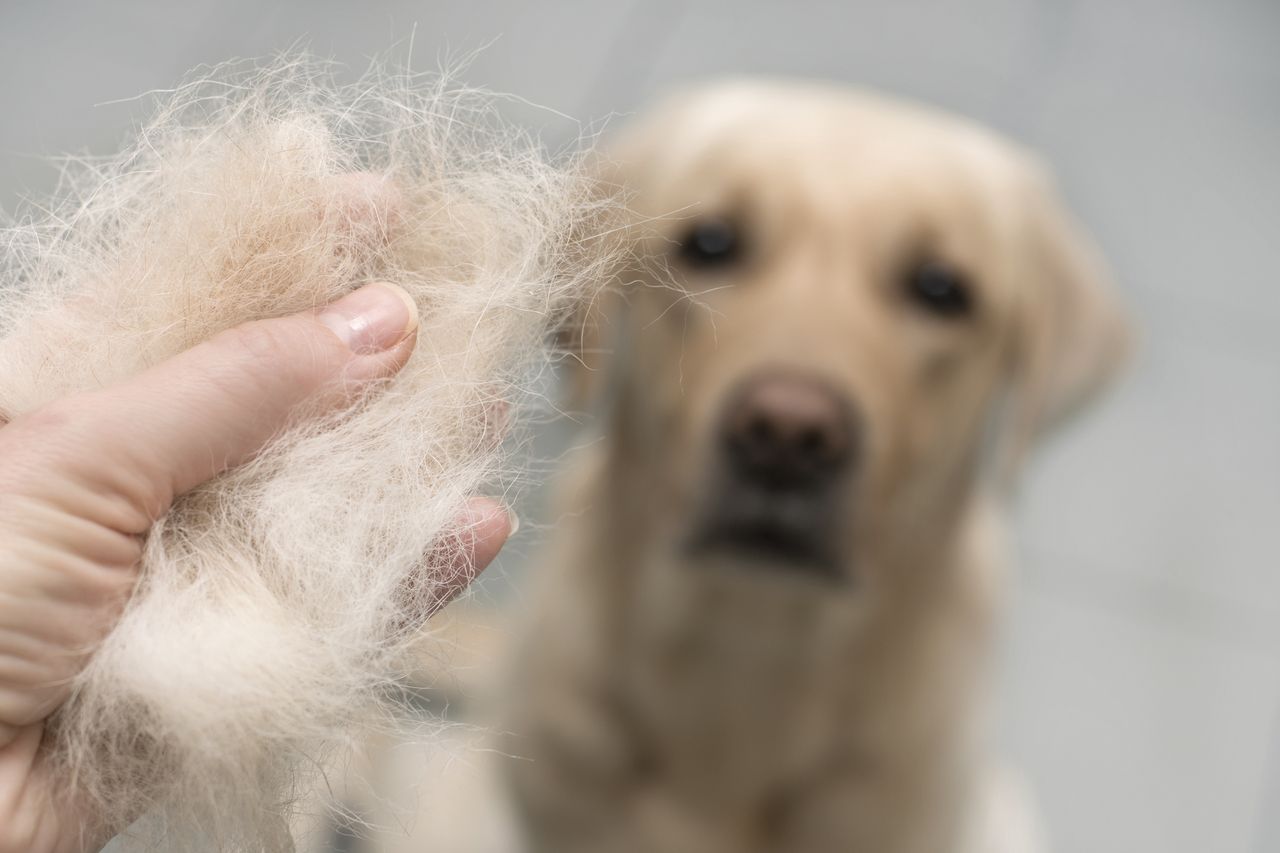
x=279, y=604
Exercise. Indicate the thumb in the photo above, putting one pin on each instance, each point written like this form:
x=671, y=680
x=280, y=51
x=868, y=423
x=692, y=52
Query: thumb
x=153, y=437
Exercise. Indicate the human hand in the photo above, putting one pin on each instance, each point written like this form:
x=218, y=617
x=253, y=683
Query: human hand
x=83, y=478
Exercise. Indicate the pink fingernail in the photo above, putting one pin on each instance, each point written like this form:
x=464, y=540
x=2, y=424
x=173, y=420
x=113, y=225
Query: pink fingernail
x=372, y=319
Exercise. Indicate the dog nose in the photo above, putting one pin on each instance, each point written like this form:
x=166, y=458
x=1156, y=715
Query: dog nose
x=788, y=430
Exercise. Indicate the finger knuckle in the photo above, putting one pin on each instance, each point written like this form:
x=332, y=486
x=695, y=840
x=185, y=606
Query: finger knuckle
x=288, y=356
x=296, y=352
x=264, y=341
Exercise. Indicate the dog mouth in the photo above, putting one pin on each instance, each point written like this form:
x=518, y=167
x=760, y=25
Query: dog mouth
x=772, y=531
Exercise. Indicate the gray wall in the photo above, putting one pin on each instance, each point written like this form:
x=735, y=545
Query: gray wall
x=1141, y=678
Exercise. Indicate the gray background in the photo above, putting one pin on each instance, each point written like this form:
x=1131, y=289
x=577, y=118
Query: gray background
x=1141, y=680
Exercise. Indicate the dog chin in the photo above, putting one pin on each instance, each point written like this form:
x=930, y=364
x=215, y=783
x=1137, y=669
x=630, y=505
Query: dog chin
x=778, y=530
x=769, y=545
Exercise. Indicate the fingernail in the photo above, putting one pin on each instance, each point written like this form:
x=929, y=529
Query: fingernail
x=484, y=511
x=372, y=319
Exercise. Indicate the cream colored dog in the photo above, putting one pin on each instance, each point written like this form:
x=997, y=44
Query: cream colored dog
x=767, y=621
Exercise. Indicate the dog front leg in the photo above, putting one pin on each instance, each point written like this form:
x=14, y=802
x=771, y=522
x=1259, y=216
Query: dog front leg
x=581, y=786
x=916, y=809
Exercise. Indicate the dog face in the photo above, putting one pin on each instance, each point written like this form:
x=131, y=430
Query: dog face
x=848, y=313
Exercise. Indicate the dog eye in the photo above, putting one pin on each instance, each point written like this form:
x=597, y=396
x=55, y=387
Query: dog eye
x=710, y=243
x=940, y=289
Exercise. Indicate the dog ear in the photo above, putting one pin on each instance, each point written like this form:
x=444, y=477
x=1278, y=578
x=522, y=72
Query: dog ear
x=636, y=166
x=589, y=339
x=593, y=334
x=1071, y=334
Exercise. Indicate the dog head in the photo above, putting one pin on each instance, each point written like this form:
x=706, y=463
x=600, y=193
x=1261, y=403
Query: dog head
x=847, y=314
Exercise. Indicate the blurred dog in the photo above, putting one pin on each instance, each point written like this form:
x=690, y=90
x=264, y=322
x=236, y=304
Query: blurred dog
x=767, y=619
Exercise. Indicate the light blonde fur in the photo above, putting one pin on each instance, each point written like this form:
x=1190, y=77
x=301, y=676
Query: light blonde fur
x=279, y=604
x=685, y=700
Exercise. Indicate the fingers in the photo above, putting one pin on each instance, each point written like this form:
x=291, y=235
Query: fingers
x=215, y=405
x=491, y=525
x=182, y=422
x=162, y=433
x=485, y=527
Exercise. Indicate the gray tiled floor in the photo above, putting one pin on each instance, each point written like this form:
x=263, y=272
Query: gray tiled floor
x=1141, y=686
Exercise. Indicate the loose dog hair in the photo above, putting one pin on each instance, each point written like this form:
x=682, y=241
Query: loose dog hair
x=279, y=604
